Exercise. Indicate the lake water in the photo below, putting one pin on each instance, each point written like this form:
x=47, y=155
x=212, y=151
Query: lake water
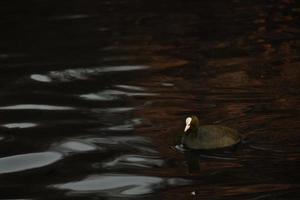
x=93, y=94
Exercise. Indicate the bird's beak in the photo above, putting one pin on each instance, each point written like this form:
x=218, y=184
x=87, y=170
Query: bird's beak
x=187, y=127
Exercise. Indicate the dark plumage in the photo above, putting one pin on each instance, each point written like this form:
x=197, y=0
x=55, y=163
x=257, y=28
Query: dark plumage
x=208, y=136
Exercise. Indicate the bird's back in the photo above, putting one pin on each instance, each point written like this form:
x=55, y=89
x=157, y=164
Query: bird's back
x=212, y=137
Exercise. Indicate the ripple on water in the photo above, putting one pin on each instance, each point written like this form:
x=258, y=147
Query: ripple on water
x=113, y=110
x=74, y=146
x=133, y=161
x=28, y=161
x=40, y=78
x=98, y=97
x=83, y=73
x=35, y=107
x=133, y=142
x=71, y=17
x=119, y=140
x=120, y=185
x=125, y=126
x=131, y=87
x=109, y=95
x=20, y=125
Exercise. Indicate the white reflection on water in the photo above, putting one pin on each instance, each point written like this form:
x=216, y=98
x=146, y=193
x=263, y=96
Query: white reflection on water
x=83, y=73
x=134, y=142
x=108, y=95
x=113, y=110
x=98, y=97
x=131, y=87
x=28, y=161
x=19, y=125
x=77, y=146
x=134, y=161
x=35, y=107
x=120, y=184
x=120, y=140
x=127, y=126
x=74, y=146
x=41, y=78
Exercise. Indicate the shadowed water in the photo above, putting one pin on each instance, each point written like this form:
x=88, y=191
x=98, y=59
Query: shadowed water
x=95, y=93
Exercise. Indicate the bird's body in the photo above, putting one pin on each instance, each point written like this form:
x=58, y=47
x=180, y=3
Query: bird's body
x=208, y=136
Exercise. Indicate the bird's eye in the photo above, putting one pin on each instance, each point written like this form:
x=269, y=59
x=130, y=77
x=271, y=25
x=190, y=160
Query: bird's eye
x=188, y=120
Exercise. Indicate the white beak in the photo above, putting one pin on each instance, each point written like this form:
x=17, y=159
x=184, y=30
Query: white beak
x=187, y=127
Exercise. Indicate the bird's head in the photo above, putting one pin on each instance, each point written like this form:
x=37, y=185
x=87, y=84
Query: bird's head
x=192, y=124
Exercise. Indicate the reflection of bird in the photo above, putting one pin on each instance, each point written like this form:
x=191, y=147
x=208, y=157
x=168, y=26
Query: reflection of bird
x=208, y=136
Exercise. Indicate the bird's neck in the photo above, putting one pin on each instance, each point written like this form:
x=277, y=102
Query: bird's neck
x=192, y=131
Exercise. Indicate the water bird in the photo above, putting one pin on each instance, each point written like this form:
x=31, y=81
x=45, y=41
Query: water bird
x=208, y=136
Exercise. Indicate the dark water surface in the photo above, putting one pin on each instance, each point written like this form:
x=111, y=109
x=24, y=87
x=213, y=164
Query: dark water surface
x=94, y=92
